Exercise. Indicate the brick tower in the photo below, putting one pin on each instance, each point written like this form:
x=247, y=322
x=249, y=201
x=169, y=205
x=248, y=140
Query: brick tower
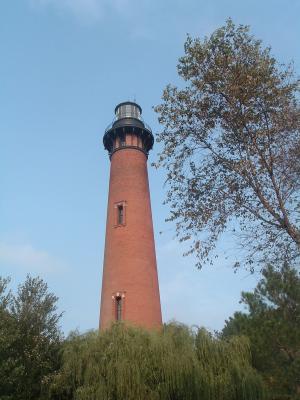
x=130, y=289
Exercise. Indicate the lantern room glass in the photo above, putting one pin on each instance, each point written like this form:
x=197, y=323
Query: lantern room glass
x=128, y=111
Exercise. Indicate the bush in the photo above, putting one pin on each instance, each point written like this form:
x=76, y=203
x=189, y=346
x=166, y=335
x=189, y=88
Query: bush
x=174, y=363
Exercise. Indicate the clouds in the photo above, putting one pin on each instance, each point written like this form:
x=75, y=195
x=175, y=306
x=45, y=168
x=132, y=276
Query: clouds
x=28, y=258
x=203, y=297
x=141, y=19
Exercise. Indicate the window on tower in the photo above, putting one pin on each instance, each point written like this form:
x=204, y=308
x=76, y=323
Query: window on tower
x=119, y=308
x=122, y=141
x=120, y=214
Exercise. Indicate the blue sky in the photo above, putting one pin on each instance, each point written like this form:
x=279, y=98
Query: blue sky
x=64, y=66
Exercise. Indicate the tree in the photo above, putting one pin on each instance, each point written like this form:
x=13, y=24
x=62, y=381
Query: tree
x=273, y=327
x=9, y=370
x=30, y=339
x=231, y=147
x=176, y=363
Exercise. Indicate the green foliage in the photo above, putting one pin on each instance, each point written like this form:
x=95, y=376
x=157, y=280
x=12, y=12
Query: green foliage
x=175, y=363
x=273, y=327
x=231, y=147
x=9, y=368
x=30, y=339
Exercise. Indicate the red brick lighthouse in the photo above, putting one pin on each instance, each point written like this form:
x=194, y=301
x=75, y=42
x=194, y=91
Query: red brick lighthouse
x=130, y=290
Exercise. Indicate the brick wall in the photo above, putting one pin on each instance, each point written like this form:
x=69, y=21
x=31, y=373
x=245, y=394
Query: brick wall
x=129, y=269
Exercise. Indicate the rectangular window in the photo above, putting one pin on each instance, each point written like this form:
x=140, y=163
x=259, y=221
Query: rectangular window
x=119, y=308
x=120, y=214
x=122, y=141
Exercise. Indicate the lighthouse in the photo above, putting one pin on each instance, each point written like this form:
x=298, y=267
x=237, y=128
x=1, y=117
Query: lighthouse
x=130, y=290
